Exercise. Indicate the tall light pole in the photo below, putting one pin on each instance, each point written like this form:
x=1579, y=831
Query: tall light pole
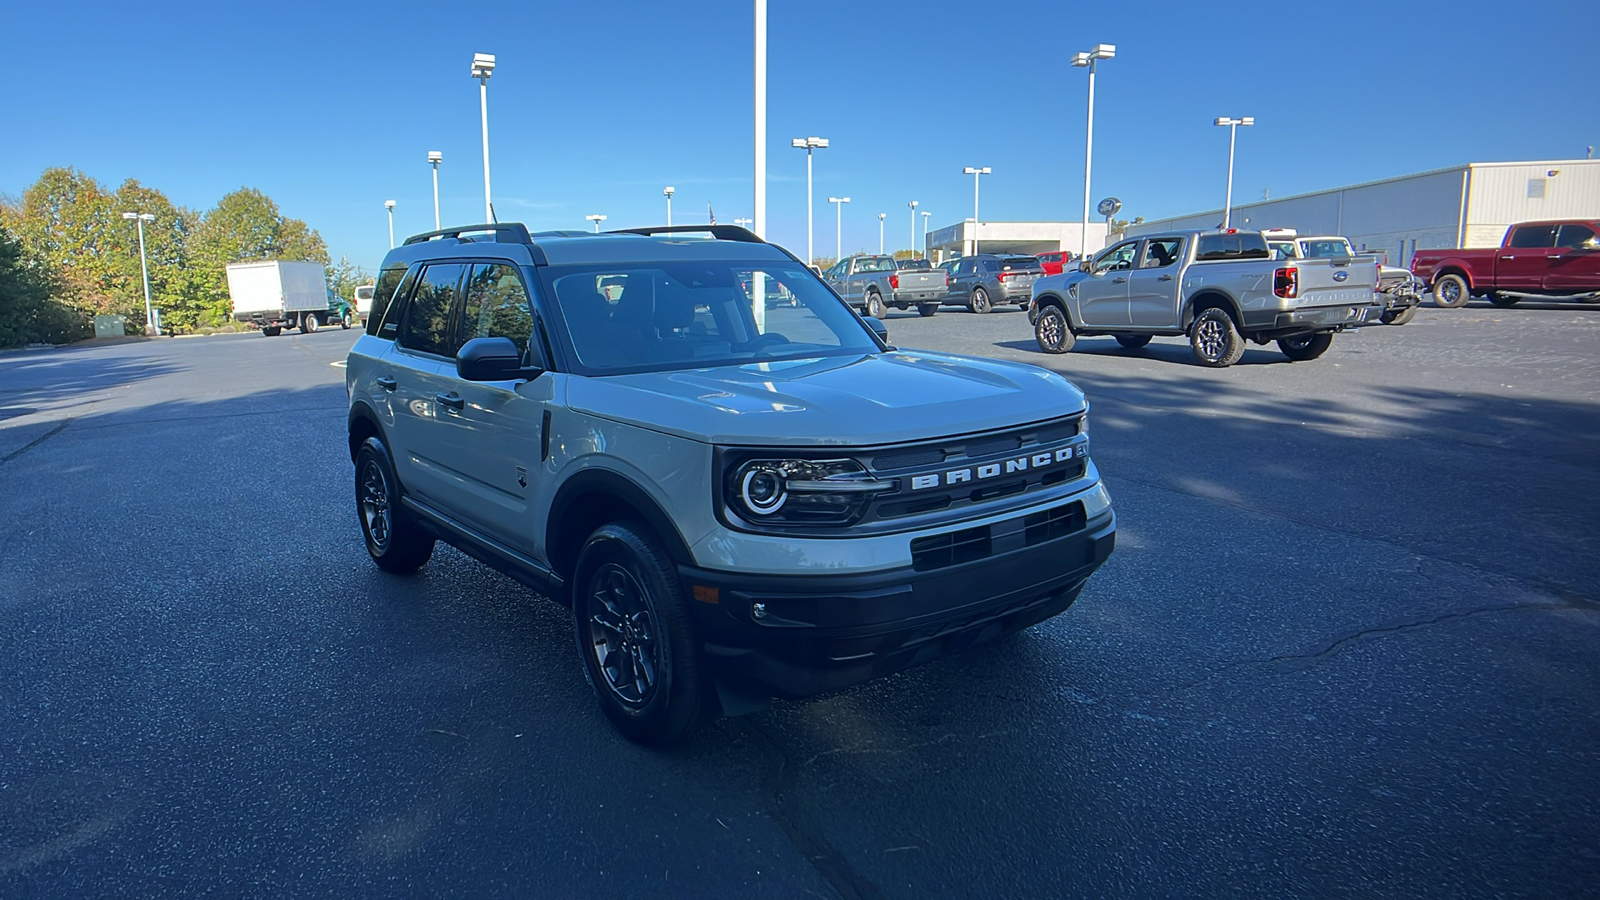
x=913, y=205
x=596, y=219
x=809, y=144
x=925, y=216
x=1087, y=60
x=975, y=172
x=761, y=126
x=434, y=158
x=389, y=205
x=482, y=68
x=881, y=217
x=838, y=239
x=139, y=219
x=1233, y=129
x=744, y=223
x=667, y=192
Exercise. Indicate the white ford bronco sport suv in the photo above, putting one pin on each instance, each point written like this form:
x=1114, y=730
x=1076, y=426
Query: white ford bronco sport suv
x=736, y=502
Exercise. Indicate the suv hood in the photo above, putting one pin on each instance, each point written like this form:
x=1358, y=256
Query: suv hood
x=885, y=398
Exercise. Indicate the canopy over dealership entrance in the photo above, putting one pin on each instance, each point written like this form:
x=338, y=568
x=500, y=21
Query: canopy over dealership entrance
x=1011, y=237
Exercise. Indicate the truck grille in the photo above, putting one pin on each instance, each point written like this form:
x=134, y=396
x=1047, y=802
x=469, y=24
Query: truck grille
x=953, y=548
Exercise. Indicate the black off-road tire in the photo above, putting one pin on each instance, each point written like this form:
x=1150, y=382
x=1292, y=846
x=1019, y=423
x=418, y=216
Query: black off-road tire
x=1504, y=301
x=1451, y=292
x=927, y=309
x=1303, y=347
x=1215, y=340
x=979, y=301
x=1133, y=341
x=624, y=580
x=1399, y=316
x=874, y=305
x=394, y=540
x=1053, y=331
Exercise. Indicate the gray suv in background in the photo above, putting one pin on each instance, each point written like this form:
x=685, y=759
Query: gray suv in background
x=980, y=282
x=735, y=501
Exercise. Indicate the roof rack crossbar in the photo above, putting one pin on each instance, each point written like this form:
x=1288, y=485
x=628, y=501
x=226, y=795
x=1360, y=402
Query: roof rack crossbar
x=720, y=232
x=504, y=233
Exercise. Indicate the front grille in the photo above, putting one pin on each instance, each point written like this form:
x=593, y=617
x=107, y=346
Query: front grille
x=908, y=459
x=950, y=549
x=939, y=551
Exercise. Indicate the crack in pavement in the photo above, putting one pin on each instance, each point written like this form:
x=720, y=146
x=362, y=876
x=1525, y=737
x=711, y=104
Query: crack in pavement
x=36, y=441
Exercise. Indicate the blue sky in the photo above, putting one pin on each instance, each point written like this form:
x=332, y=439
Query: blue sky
x=331, y=108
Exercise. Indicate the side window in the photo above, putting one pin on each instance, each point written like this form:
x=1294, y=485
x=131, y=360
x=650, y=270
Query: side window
x=497, y=306
x=1534, y=236
x=990, y=265
x=426, y=324
x=1574, y=236
x=1117, y=258
x=1162, y=253
x=383, y=294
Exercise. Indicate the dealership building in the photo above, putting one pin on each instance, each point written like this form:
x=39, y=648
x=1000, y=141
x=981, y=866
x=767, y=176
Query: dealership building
x=1464, y=206
x=1023, y=238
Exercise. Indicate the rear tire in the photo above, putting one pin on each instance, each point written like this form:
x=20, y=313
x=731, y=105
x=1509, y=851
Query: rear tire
x=1133, y=341
x=979, y=301
x=1399, y=316
x=1504, y=301
x=874, y=305
x=927, y=309
x=1053, y=331
x=1450, y=292
x=1304, y=347
x=309, y=323
x=635, y=637
x=272, y=332
x=393, y=539
x=1215, y=340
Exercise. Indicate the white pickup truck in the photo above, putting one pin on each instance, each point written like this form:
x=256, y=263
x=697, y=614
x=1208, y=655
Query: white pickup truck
x=1219, y=289
x=1398, y=290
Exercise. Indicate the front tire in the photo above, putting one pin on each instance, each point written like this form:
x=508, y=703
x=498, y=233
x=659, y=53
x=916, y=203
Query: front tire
x=394, y=541
x=1215, y=340
x=927, y=309
x=635, y=636
x=979, y=301
x=1451, y=292
x=344, y=321
x=1304, y=347
x=874, y=305
x=1133, y=341
x=1053, y=331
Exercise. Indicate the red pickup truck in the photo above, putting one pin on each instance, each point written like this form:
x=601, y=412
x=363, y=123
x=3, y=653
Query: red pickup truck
x=1536, y=258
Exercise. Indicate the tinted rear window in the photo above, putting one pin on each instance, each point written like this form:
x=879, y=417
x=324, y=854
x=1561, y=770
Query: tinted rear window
x=1242, y=245
x=1020, y=262
x=1534, y=236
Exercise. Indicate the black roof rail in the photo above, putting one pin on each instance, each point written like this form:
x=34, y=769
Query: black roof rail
x=720, y=232
x=504, y=233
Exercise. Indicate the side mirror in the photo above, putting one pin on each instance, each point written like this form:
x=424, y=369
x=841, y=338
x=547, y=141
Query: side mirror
x=878, y=328
x=1083, y=266
x=493, y=359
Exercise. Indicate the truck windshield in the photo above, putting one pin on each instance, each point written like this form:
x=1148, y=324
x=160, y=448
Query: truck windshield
x=648, y=317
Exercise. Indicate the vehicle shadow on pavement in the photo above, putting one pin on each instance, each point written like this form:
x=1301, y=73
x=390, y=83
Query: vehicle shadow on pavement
x=1158, y=350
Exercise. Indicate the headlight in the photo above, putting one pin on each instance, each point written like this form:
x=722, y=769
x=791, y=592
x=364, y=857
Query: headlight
x=802, y=491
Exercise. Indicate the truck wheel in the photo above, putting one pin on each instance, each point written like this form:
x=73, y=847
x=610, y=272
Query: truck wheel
x=1306, y=346
x=1052, y=330
x=927, y=309
x=272, y=332
x=308, y=323
x=1214, y=339
x=1399, y=316
x=1133, y=341
x=979, y=302
x=344, y=320
x=1450, y=291
x=635, y=637
x=874, y=305
x=394, y=541
x=1504, y=301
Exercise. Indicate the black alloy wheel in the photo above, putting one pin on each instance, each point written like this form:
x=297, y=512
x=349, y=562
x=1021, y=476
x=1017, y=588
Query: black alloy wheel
x=1215, y=340
x=393, y=540
x=979, y=302
x=1052, y=330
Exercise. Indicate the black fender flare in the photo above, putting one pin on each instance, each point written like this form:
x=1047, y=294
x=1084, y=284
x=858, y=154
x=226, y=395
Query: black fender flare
x=562, y=545
x=361, y=423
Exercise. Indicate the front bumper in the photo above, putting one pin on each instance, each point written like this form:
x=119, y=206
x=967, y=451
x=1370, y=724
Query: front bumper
x=817, y=633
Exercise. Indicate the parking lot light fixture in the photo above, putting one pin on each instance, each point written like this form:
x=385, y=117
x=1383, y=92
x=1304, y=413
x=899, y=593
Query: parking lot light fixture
x=744, y=223
x=838, y=239
x=1087, y=60
x=434, y=158
x=881, y=217
x=482, y=68
x=389, y=205
x=913, y=205
x=925, y=216
x=138, y=220
x=809, y=144
x=1233, y=130
x=596, y=219
x=667, y=192
x=975, y=172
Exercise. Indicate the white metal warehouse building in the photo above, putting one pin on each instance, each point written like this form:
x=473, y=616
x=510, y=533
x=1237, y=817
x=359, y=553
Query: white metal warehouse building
x=1464, y=206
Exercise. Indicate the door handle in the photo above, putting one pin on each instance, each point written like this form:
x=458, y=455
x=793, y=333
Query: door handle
x=387, y=383
x=1165, y=278
x=1118, y=280
x=452, y=400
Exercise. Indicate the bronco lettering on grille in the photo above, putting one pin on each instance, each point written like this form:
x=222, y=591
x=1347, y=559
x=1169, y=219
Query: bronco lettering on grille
x=993, y=470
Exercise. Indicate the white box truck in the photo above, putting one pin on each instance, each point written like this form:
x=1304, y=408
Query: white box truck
x=275, y=295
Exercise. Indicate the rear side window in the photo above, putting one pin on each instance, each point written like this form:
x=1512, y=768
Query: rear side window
x=990, y=265
x=382, y=295
x=1534, y=236
x=1574, y=236
x=1241, y=245
x=426, y=326
x=497, y=306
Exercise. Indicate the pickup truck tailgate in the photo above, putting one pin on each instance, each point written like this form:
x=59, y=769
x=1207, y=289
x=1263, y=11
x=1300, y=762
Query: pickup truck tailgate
x=915, y=282
x=1348, y=281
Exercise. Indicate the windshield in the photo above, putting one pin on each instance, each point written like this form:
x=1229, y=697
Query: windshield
x=1327, y=248
x=646, y=317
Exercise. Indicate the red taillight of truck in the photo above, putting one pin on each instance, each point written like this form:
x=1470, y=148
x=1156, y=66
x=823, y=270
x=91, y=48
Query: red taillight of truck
x=1286, y=282
x=894, y=281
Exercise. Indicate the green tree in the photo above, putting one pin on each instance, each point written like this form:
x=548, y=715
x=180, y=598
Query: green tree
x=344, y=277
x=1119, y=227
x=27, y=311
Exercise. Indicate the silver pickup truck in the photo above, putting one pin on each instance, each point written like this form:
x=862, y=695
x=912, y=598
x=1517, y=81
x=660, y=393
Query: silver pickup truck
x=1217, y=288
x=872, y=284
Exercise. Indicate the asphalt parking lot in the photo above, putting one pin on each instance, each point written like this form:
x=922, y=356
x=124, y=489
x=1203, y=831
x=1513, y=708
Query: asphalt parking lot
x=1348, y=645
